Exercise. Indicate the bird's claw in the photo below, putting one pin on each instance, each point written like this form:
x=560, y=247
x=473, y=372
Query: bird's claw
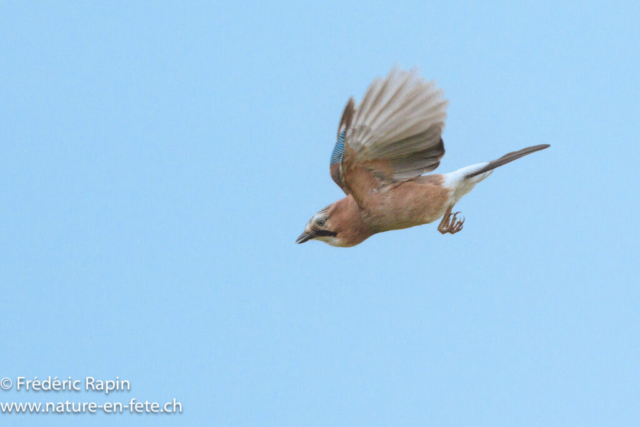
x=451, y=224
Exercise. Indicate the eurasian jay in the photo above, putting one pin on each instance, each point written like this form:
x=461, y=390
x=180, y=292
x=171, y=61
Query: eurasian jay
x=384, y=147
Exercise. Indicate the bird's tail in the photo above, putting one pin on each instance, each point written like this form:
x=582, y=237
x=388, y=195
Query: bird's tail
x=463, y=180
x=507, y=158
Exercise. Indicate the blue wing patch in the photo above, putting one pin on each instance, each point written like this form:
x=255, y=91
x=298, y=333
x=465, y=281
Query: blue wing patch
x=338, y=149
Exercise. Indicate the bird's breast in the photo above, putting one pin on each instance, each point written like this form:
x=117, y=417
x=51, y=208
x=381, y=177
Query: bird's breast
x=408, y=204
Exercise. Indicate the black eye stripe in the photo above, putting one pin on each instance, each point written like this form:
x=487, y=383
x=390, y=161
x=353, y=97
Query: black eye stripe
x=325, y=233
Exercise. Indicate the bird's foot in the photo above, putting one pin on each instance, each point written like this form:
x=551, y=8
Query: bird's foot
x=450, y=223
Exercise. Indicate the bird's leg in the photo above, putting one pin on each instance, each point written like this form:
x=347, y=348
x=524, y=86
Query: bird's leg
x=444, y=225
x=450, y=223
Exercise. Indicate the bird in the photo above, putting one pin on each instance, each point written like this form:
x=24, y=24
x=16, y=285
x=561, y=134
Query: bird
x=385, y=146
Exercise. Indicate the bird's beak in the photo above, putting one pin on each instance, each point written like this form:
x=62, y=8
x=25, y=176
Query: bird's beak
x=305, y=237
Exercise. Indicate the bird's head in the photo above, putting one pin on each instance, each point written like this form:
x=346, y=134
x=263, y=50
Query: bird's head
x=339, y=224
x=321, y=227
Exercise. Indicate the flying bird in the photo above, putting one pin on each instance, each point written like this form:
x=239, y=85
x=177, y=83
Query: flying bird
x=384, y=146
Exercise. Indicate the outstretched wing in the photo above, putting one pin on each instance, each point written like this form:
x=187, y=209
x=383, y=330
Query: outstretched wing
x=393, y=135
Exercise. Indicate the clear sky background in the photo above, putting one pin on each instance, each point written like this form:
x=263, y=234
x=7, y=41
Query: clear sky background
x=158, y=160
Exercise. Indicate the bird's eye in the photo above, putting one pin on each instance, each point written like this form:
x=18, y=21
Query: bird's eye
x=321, y=222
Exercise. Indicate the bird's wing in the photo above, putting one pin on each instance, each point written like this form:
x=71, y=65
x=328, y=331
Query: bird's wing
x=393, y=135
x=335, y=166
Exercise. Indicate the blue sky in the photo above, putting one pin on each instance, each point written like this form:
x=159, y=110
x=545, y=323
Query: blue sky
x=160, y=158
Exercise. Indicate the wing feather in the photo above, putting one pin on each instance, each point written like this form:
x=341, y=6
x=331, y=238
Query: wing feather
x=395, y=133
x=400, y=118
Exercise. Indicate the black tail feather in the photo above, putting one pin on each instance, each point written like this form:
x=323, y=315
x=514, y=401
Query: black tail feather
x=507, y=158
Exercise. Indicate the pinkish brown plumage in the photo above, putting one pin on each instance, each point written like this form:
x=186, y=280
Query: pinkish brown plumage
x=384, y=146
